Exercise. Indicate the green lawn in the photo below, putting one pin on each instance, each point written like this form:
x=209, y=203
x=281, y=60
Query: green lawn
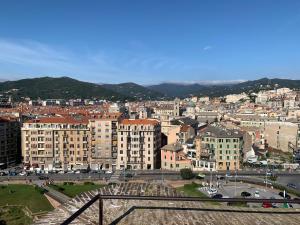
x=25, y=195
x=14, y=216
x=191, y=190
x=72, y=190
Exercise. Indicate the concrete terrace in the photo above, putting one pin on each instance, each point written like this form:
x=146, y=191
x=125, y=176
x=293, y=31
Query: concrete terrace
x=129, y=212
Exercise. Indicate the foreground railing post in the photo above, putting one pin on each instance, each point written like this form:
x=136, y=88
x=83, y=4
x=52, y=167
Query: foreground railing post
x=100, y=210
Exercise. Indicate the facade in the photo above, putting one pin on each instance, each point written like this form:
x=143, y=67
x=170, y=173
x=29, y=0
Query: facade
x=104, y=140
x=56, y=142
x=280, y=135
x=10, y=149
x=139, y=142
x=224, y=146
x=173, y=158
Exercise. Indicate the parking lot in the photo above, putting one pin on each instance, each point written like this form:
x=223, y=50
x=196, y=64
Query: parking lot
x=230, y=190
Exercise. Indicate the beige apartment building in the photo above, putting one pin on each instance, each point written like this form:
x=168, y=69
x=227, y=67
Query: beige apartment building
x=55, y=142
x=139, y=143
x=104, y=140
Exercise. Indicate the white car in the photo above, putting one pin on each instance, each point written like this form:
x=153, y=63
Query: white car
x=267, y=182
x=108, y=171
x=22, y=173
x=212, y=191
x=256, y=194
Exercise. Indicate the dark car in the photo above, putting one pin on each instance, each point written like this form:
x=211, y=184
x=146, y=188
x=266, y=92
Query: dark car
x=245, y=194
x=43, y=178
x=286, y=195
x=129, y=175
x=217, y=196
x=290, y=185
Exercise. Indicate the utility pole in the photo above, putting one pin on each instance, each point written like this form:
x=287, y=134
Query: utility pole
x=210, y=178
x=266, y=181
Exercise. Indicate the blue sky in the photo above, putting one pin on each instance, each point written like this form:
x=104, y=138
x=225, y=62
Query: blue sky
x=150, y=41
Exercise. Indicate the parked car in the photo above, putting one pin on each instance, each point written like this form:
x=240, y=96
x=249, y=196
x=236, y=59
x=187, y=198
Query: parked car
x=286, y=195
x=217, y=196
x=290, y=185
x=267, y=182
x=212, y=191
x=267, y=205
x=256, y=194
x=269, y=173
x=43, y=178
x=228, y=174
x=200, y=176
x=22, y=173
x=245, y=194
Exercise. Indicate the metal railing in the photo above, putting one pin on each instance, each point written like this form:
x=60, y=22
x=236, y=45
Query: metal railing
x=166, y=198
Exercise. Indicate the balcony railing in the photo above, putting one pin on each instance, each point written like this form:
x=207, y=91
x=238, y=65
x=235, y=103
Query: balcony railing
x=101, y=198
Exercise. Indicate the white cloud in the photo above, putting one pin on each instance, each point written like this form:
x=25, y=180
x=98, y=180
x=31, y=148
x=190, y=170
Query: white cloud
x=207, y=47
x=31, y=57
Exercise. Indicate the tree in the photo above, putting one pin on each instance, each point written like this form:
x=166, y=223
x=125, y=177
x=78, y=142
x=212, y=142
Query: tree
x=186, y=173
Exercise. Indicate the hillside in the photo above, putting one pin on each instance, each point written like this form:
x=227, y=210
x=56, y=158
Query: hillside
x=135, y=91
x=57, y=88
x=184, y=90
x=67, y=88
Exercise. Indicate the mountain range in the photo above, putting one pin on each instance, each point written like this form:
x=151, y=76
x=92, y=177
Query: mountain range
x=67, y=88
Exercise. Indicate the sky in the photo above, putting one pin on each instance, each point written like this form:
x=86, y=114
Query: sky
x=149, y=42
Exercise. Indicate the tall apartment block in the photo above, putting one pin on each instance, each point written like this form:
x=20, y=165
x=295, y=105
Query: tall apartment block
x=104, y=140
x=221, y=145
x=56, y=142
x=139, y=143
x=10, y=138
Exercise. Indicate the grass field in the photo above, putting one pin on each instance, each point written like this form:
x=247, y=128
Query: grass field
x=14, y=216
x=72, y=190
x=25, y=195
x=191, y=190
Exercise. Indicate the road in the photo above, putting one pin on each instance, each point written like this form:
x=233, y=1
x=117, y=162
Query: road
x=283, y=177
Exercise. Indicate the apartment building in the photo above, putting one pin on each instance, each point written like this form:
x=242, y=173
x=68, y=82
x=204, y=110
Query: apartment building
x=172, y=109
x=104, y=140
x=10, y=139
x=173, y=157
x=224, y=146
x=55, y=142
x=139, y=142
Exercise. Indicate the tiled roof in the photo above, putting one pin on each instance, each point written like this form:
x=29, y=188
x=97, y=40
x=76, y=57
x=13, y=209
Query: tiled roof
x=140, y=121
x=60, y=120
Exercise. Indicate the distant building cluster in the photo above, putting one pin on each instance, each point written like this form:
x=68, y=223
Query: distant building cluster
x=201, y=133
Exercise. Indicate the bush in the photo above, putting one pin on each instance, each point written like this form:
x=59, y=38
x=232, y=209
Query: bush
x=273, y=178
x=61, y=189
x=88, y=183
x=68, y=183
x=186, y=173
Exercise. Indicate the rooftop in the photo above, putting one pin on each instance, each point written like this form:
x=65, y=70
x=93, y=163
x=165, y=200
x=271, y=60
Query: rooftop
x=221, y=132
x=172, y=147
x=140, y=122
x=130, y=212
